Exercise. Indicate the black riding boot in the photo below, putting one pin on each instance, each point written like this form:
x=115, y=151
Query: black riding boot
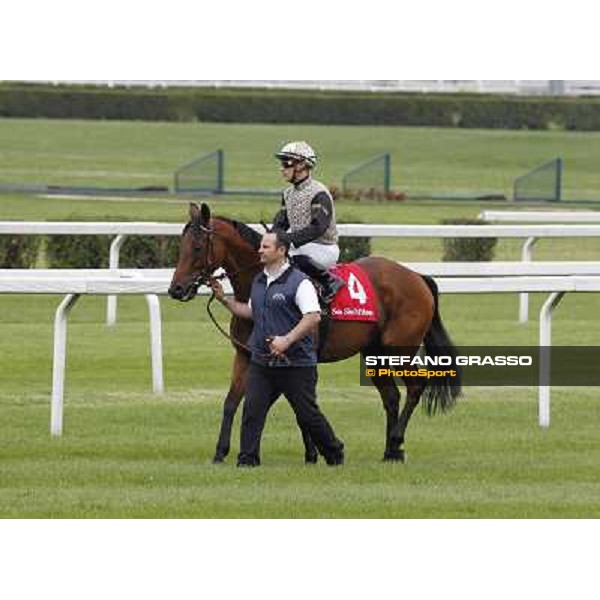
x=330, y=284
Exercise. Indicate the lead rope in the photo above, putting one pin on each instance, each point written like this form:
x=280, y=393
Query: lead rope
x=237, y=342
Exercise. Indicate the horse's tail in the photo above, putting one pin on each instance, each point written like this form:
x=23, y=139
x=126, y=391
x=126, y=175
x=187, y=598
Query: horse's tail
x=441, y=393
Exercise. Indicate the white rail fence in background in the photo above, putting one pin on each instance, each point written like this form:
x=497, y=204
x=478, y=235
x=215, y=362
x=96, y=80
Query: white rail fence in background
x=564, y=217
x=572, y=87
x=555, y=216
x=532, y=233
x=151, y=284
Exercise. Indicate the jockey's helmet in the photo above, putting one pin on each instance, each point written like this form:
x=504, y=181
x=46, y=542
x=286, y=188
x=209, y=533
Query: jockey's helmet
x=299, y=151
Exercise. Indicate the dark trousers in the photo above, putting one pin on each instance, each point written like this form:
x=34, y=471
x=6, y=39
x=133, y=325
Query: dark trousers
x=264, y=386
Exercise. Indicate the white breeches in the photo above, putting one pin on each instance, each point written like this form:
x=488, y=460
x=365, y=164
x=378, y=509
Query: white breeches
x=326, y=256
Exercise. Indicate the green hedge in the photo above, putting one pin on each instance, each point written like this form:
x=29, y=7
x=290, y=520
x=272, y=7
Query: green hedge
x=18, y=251
x=287, y=106
x=353, y=248
x=92, y=252
x=141, y=252
x=77, y=252
x=468, y=249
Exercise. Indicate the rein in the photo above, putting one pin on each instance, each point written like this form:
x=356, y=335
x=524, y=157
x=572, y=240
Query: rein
x=237, y=342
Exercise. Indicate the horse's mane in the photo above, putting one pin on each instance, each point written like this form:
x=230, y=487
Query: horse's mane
x=247, y=233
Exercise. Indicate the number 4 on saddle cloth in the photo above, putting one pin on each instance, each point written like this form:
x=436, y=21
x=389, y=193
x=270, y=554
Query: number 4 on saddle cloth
x=357, y=301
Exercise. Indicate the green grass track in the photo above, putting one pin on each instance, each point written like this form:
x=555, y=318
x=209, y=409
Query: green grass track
x=129, y=454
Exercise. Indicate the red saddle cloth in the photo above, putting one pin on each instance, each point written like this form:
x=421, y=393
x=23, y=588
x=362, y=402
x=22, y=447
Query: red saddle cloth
x=357, y=301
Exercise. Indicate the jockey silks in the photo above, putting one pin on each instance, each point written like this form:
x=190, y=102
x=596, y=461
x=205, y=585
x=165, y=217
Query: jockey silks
x=298, y=203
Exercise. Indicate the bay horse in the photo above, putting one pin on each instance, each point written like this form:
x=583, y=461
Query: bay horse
x=409, y=318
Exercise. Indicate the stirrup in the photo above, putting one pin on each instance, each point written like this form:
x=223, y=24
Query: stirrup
x=330, y=292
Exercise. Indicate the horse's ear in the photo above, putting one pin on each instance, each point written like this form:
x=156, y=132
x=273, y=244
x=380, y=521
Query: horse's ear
x=194, y=212
x=205, y=214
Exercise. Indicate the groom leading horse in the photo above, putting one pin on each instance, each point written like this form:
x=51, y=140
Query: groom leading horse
x=407, y=317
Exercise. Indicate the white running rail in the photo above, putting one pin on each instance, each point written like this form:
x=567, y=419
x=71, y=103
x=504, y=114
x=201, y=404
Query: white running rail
x=531, y=233
x=154, y=283
x=555, y=216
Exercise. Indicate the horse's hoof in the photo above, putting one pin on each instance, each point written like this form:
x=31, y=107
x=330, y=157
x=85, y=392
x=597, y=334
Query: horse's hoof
x=397, y=456
x=311, y=459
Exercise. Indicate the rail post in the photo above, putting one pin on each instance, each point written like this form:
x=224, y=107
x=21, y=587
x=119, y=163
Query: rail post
x=60, y=356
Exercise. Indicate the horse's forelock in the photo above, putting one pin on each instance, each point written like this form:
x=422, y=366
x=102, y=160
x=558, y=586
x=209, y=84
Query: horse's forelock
x=197, y=226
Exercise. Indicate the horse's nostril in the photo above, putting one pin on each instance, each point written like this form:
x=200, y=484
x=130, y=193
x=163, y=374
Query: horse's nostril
x=176, y=292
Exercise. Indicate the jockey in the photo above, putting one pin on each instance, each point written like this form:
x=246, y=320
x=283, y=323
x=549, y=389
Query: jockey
x=308, y=214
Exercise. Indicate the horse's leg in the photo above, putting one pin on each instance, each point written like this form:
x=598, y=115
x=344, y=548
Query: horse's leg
x=390, y=396
x=406, y=333
x=232, y=403
x=414, y=391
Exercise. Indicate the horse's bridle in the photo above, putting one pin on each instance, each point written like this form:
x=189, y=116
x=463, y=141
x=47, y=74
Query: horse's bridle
x=205, y=276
